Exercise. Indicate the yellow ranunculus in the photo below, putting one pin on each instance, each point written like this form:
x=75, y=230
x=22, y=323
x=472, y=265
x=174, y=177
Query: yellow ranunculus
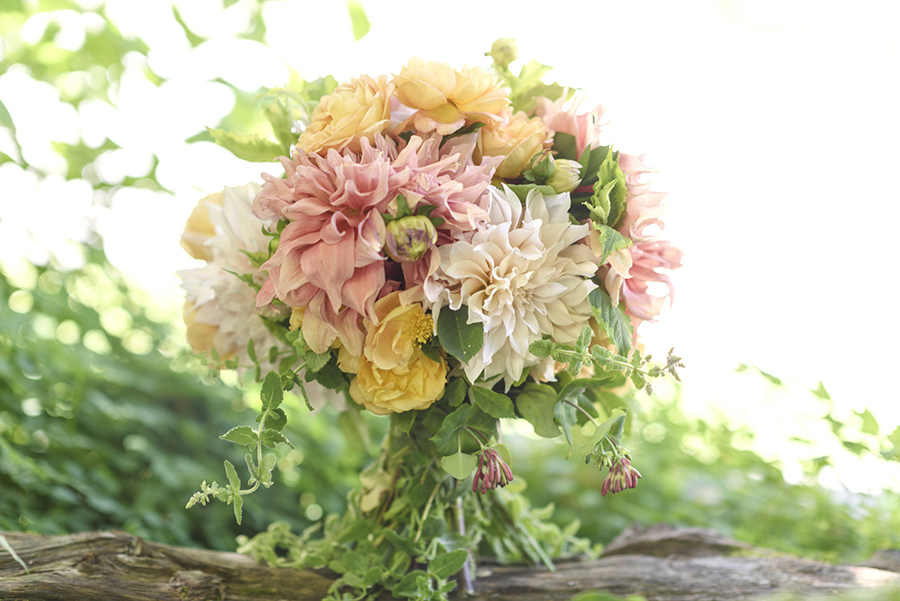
x=355, y=110
x=393, y=391
x=446, y=98
x=518, y=138
x=198, y=228
x=393, y=374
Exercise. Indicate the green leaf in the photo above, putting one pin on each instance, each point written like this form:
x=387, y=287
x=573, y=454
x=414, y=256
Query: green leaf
x=444, y=566
x=565, y=147
x=241, y=435
x=193, y=38
x=265, y=469
x=575, y=386
x=314, y=362
x=612, y=320
x=459, y=465
x=455, y=393
x=522, y=190
x=280, y=115
x=869, y=423
x=233, y=480
x=329, y=376
x=272, y=393
x=610, y=240
x=270, y=438
x=614, y=427
x=591, y=161
x=450, y=440
x=405, y=420
x=492, y=403
x=276, y=419
x=460, y=339
x=249, y=147
x=610, y=191
x=535, y=404
x=358, y=20
x=566, y=416
x=6, y=118
x=541, y=348
x=238, y=501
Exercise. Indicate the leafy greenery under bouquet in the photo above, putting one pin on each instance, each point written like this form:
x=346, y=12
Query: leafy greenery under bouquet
x=448, y=247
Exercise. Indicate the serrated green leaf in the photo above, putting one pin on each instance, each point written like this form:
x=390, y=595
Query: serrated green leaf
x=535, y=404
x=444, y=566
x=233, y=480
x=460, y=339
x=592, y=161
x=612, y=320
x=241, y=435
x=238, y=508
x=610, y=240
x=492, y=403
x=270, y=438
x=329, y=376
x=249, y=147
x=265, y=469
x=541, y=348
x=272, y=394
x=276, y=419
x=459, y=465
x=358, y=20
x=314, y=362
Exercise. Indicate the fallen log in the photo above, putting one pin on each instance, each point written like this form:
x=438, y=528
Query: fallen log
x=660, y=563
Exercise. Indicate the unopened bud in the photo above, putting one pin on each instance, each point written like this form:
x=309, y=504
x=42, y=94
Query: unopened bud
x=543, y=168
x=408, y=238
x=565, y=177
x=504, y=51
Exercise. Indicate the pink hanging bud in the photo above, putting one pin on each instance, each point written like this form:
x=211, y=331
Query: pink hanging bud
x=492, y=472
x=621, y=476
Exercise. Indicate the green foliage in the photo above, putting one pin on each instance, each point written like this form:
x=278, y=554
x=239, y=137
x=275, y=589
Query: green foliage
x=249, y=147
x=358, y=19
x=459, y=338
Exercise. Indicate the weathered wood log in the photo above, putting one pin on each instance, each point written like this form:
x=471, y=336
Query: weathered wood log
x=660, y=563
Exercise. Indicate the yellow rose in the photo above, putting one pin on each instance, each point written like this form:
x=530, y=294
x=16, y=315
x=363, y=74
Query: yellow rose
x=518, y=138
x=394, y=391
x=393, y=374
x=198, y=228
x=354, y=111
x=199, y=335
x=401, y=330
x=446, y=98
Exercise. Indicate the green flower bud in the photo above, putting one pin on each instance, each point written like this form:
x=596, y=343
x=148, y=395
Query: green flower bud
x=504, y=51
x=565, y=177
x=408, y=238
x=543, y=168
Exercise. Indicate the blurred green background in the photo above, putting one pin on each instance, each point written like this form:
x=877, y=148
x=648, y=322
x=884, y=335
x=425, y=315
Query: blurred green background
x=108, y=422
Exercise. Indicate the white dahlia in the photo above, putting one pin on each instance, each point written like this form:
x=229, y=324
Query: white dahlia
x=524, y=276
x=219, y=304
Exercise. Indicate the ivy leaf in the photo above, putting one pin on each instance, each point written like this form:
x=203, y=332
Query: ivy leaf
x=241, y=435
x=459, y=465
x=535, y=403
x=492, y=403
x=460, y=339
x=612, y=320
x=610, y=240
x=249, y=147
x=444, y=566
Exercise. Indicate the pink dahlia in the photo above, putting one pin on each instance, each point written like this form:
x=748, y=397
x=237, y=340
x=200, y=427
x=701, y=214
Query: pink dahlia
x=561, y=118
x=651, y=258
x=330, y=258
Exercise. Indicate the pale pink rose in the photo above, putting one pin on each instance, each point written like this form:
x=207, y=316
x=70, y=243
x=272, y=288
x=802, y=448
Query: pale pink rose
x=561, y=118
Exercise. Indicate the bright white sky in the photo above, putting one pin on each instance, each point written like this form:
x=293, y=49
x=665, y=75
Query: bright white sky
x=775, y=122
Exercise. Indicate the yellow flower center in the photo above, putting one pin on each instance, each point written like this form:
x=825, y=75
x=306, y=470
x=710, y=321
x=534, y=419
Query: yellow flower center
x=422, y=327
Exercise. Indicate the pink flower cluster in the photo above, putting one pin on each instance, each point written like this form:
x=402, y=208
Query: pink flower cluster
x=329, y=259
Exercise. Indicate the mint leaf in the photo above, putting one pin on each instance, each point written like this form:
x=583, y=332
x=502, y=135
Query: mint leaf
x=272, y=393
x=444, y=566
x=460, y=339
x=241, y=435
x=612, y=320
x=492, y=403
x=610, y=240
x=233, y=480
x=272, y=437
x=248, y=147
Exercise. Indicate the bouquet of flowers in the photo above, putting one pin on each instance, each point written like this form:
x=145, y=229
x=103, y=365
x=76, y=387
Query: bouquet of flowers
x=448, y=247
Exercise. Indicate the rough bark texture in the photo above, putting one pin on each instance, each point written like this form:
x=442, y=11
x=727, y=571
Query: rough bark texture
x=659, y=563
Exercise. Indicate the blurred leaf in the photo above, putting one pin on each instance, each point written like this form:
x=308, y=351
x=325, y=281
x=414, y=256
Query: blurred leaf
x=249, y=147
x=358, y=19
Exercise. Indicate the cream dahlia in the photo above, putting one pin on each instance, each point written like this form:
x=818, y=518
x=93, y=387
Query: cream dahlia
x=524, y=276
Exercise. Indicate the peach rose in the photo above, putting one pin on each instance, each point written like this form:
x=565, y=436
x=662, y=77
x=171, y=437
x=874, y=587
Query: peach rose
x=355, y=110
x=518, y=138
x=401, y=330
x=417, y=386
x=198, y=228
x=446, y=98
